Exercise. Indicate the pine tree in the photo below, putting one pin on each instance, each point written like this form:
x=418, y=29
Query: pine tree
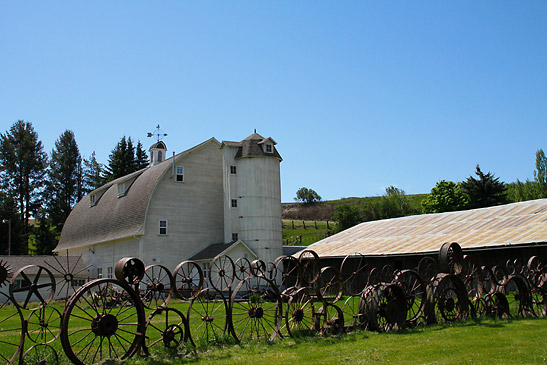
x=540, y=174
x=141, y=157
x=121, y=160
x=486, y=191
x=92, y=174
x=64, y=186
x=23, y=163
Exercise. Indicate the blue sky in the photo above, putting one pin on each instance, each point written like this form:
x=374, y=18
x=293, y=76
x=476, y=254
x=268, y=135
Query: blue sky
x=359, y=95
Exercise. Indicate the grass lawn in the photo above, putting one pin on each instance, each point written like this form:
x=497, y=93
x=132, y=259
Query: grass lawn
x=485, y=342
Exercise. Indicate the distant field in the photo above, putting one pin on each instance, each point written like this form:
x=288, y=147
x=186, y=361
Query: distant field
x=299, y=232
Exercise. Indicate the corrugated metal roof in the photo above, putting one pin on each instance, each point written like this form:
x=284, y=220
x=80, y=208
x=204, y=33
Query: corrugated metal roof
x=511, y=224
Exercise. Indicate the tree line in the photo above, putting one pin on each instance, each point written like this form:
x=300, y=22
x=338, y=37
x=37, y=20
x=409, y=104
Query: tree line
x=479, y=191
x=42, y=187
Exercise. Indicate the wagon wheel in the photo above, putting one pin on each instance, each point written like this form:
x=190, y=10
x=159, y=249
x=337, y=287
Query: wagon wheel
x=271, y=272
x=40, y=354
x=451, y=301
x=12, y=328
x=207, y=317
x=329, y=285
x=165, y=328
x=310, y=267
x=188, y=278
x=130, y=270
x=539, y=300
x=354, y=312
x=255, y=313
x=489, y=282
x=427, y=268
x=242, y=268
x=155, y=287
x=103, y=320
x=472, y=277
x=415, y=292
x=386, y=307
x=387, y=273
x=374, y=276
x=500, y=273
x=38, y=291
x=289, y=267
x=222, y=273
x=535, y=270
x=354, y=272
x=518, y=296
x=5, y=272
x=68, y=273
x=496, y=305
x=300, y=314
x=450, y=258
x=258, y=268
x=329, y=320
x=44, y=325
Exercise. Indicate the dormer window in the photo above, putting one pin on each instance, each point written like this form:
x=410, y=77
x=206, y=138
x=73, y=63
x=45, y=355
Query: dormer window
x=121, y=190
x=269, y=148
x=92, y=200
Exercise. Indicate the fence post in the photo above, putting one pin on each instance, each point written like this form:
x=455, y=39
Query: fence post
x=304, y=224
x=315, y=222
x=328, y=224
x=300, y=239
x=292, y=224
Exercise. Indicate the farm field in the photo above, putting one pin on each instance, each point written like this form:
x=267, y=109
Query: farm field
x=304, y=232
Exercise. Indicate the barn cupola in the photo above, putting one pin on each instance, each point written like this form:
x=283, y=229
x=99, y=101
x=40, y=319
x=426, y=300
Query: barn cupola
x=157, y=153
x=158, y=150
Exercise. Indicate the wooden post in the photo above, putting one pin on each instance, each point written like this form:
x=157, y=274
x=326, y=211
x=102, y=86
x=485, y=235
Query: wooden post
x=292, y=224
x=304, y=224
x=315, y=222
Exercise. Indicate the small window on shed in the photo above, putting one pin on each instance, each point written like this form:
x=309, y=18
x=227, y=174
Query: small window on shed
x=162, y=228
x=180, y=174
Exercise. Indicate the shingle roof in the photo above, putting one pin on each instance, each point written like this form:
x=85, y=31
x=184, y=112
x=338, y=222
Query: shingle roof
x=511, y=224
x=251, y=147
x=113, y=218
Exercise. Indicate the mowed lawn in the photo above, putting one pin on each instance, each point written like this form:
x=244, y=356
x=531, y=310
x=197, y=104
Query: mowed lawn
x=485, y=342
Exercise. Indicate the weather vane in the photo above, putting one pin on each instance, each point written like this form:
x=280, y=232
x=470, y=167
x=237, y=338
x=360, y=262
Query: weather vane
x=158, y=133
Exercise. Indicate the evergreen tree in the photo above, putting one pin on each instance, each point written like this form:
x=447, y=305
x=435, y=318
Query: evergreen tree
x=540, y=174
x=10, y=220
x=92, y=174
x=486, y=191
x=46, y=236
x=23, y=163
x=64, y=187
x=141, y=157
x=122, y=160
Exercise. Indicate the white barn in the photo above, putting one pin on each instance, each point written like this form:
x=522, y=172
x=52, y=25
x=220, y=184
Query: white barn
x=210, y=199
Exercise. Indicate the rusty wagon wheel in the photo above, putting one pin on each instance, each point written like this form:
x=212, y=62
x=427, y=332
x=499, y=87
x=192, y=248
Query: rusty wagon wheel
x=310, y=267
x=473, y=278
x=354, y=310
x=68, y=273
x=103, y=320
x=242, y=268
x=386, y=307
x=44, y=325
x=207, y=317
x=130, y=270
x=539, y=300
x=415, y=293
x=258, y=268
x=188, y=280
x=254, y=310
x=451, y=258
x=517, y=292
x=12, y=328
x=40, y=354
x=156, y=286
x=427, y=268
x=289, y=267
x=451, y=301
x=354, y=273
x=222, y=273
x=496, y=305
x=329, y=285
x=489, y=281
x=165, y=328
x=37, y=292
x=329, y=320
x=300, y=314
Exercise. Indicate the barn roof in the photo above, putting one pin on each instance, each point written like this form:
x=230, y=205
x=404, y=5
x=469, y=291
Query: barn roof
x=504, y=225
x=114, y=217
x=251, y=147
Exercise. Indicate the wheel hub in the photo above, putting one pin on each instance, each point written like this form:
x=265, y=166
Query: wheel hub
x=104, y=325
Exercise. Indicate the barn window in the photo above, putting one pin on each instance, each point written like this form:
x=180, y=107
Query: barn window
x=109, y=272
x=235, y=236
x=205, y=268
x=234, y=203
x=269, y=148
x=99, y=272
x=233, y=170
x=92, y=200
x=162, y=228
x=180, y=174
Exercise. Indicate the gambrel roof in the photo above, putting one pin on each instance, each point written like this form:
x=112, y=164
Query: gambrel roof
x=252, y=147
x=112, y=217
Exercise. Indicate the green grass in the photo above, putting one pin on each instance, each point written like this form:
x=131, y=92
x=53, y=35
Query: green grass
x=298, y=232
